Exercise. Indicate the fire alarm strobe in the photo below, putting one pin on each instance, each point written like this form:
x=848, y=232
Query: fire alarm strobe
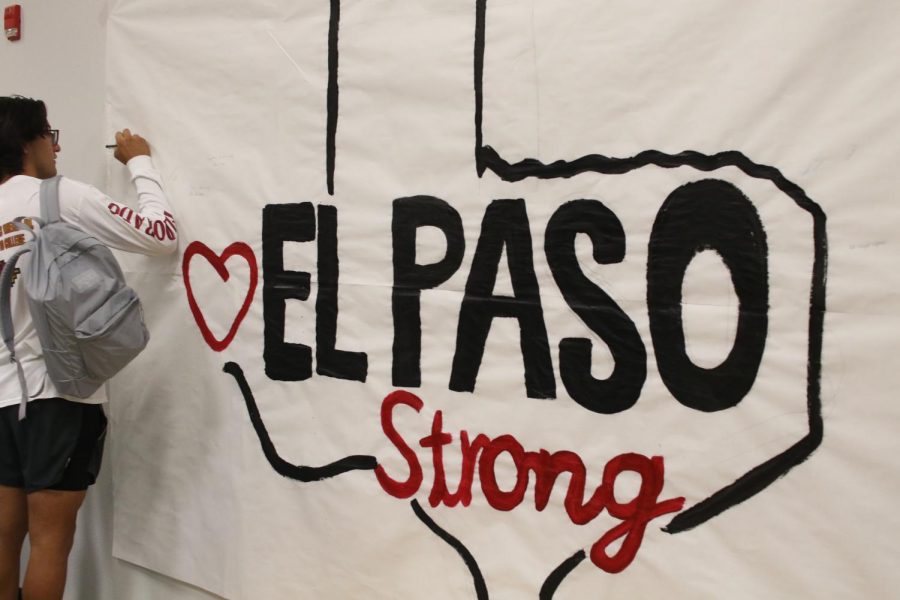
x=12, y=22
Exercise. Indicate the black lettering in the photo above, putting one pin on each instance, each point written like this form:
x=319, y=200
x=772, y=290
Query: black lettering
x=410, y=278
x=284, y=223
x=505, y=224
x=331, y=362
x=708, y=215
x=598, y=311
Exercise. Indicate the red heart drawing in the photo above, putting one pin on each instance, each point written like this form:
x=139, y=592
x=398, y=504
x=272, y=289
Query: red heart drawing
x=218, y=262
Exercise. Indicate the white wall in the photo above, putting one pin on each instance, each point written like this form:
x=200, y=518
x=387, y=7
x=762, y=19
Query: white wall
x=61, y=59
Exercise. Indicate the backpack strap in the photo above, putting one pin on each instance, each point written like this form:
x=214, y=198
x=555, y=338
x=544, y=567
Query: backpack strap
x=50, y=199
x=6, y=322
x=49, y=214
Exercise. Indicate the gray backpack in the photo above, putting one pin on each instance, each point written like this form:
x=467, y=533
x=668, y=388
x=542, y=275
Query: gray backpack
x=89, y=322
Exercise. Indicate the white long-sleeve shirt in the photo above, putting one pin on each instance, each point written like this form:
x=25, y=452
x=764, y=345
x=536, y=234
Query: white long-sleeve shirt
x=149, y=229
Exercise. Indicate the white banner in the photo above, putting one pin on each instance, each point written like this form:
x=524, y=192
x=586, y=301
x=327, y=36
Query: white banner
x=513, y=299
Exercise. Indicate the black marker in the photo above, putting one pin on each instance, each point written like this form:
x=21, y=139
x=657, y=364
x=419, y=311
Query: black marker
x=110, y=146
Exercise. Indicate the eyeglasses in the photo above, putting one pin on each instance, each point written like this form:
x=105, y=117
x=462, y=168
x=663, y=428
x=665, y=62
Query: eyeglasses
x=54, y=135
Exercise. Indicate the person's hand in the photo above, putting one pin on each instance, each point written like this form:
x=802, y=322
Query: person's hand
x=129, y=145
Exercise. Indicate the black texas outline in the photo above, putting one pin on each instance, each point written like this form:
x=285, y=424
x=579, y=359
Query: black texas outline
x=548, y=589
x=350, y=463
x=331, y=101
x=364, y=463
x=481, y=592
x=743, y=488
x=764, y=474
x=281, y=466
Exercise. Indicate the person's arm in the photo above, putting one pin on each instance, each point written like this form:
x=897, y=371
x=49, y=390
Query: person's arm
x=148, y=230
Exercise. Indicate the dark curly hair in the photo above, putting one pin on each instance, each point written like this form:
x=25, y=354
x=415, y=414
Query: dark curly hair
x=22, y=120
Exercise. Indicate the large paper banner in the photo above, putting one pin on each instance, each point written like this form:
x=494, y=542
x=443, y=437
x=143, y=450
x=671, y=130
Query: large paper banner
x=495, y=299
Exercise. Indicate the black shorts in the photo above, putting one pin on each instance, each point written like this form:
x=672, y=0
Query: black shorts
x=59, y=445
